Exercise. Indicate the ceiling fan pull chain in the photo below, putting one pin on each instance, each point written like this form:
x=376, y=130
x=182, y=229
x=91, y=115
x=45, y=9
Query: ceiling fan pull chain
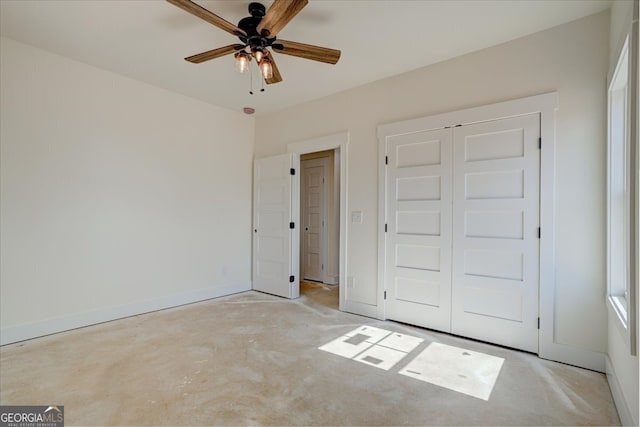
x=251, y=81
x=262, y=88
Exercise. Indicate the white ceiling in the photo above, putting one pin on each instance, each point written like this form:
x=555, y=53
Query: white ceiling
x=147, y=39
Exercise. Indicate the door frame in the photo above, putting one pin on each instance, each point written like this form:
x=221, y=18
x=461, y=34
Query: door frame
x=546, y=105
x=338, y=141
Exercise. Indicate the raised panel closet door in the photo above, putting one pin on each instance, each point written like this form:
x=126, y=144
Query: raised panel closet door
x=496, y=176
x=418, y=245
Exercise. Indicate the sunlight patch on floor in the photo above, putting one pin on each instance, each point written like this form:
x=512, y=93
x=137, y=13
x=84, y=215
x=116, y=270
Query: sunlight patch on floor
x=373, y=346
x=457, y=369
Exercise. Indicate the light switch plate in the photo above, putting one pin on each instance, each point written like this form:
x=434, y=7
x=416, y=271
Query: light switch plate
x=356, y=216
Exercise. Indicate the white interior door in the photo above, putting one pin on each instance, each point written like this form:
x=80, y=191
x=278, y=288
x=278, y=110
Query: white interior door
x=274, y=269
x=418, y=238
x=496, y=175
x=314, y=208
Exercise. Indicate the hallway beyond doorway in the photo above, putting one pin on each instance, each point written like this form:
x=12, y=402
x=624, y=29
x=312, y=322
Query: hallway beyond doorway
x=315, y=293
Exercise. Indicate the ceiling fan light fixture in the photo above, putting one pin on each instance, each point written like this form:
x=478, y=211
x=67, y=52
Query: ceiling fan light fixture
x=242, y=61
x=266, y=68
x=258, y=53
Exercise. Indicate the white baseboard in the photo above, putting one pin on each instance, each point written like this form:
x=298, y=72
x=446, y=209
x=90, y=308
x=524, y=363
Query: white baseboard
x=60, y=324
x=332, y=280
x=616, y=391
x=359, y=308
x=570, y=355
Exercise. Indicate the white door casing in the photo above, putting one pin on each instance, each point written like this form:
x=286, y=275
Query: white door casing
x=496, y=181
x=274, y=242
x=340, y=143
x=418, y=261
x=314, y=221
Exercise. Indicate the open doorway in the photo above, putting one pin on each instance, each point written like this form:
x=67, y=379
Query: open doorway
x=276, y=220
x=320, y=227
x=335, y=279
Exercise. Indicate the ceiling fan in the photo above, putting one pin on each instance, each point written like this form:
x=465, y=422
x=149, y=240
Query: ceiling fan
x=258, y=33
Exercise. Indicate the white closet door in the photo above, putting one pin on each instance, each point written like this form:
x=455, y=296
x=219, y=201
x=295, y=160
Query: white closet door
x=418, y=245
x=273, y=247
x=496, y=175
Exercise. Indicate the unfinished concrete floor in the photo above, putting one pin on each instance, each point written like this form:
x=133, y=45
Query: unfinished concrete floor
x=253, y=359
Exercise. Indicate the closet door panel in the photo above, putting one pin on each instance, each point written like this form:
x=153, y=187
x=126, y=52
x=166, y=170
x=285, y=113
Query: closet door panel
x=496, y=182
x=418, y=246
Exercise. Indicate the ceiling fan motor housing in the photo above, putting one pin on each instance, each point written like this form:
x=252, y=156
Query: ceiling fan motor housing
x=249, y=25
x=257, y=9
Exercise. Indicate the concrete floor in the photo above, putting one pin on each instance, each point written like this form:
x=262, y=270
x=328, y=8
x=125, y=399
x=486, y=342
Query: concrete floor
x=253, y=359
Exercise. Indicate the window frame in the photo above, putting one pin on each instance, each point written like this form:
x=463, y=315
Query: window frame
x=618, y=98
x=622, y=216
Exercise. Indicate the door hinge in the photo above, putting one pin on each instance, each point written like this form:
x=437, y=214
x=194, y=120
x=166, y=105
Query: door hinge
x=540, y=142
x=292, y=171
x=323, y=180
x=322, y=267
x=539, y=233
x=291, y=279
x=538, y=323
x=385, y=294
x=292, y=225
x=385, y=228
x=386, y=160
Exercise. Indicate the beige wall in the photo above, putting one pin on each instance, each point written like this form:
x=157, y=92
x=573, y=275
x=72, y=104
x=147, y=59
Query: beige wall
x=571, y=59
x=116, y=196
x=622, y=368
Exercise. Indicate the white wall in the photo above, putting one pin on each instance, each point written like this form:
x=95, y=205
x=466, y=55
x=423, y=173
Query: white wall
x=116, y=196
x=622, y=368
x=571, y=59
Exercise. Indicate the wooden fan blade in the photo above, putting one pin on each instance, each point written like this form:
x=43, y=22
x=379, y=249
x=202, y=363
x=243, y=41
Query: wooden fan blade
x=276, y=77
x=307, y=51
x=215, y=53
x=210, y=17
x=279, y=15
